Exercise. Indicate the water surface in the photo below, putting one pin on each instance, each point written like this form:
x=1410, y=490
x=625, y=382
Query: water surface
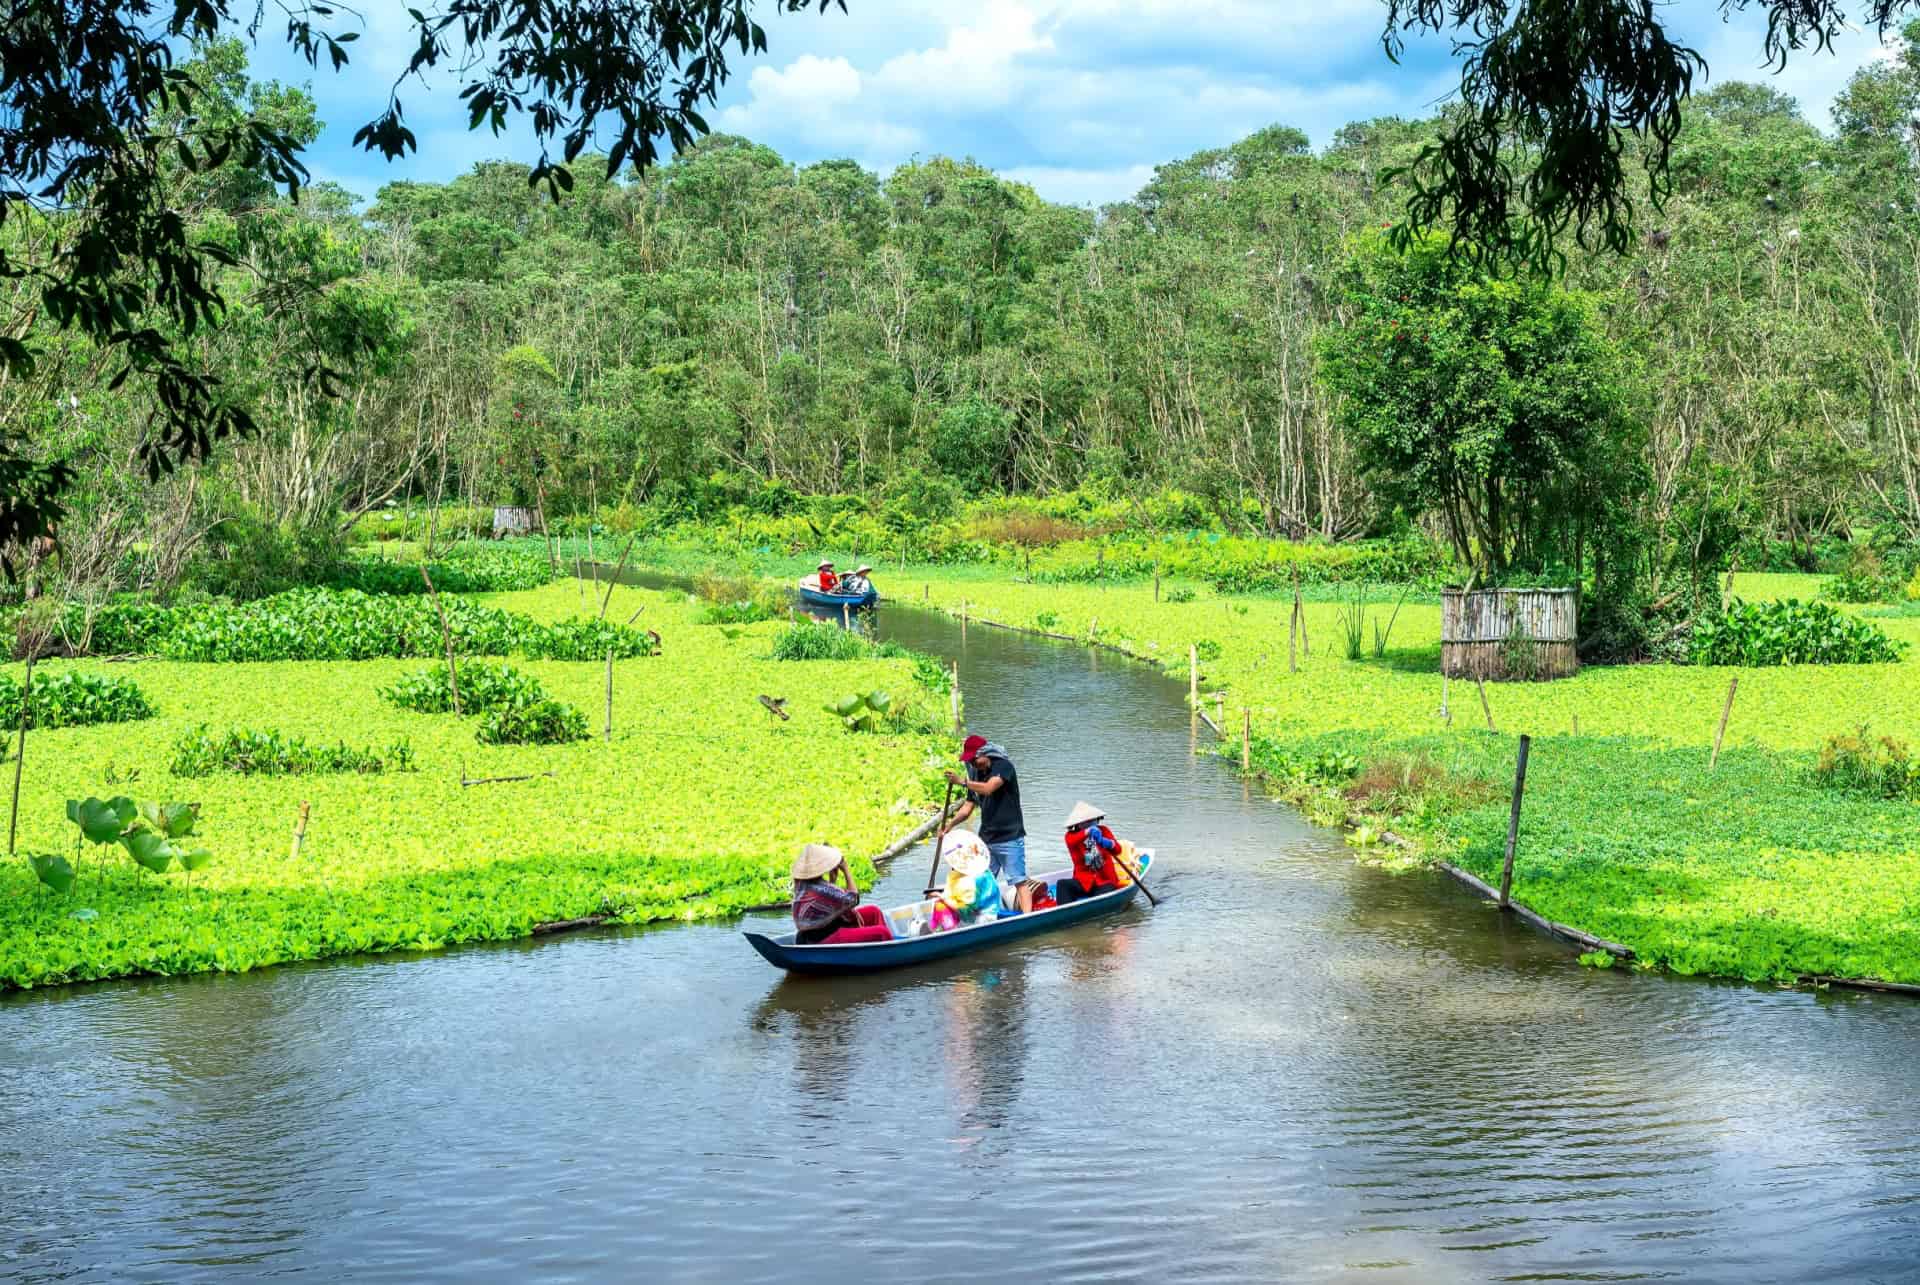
x=1296, y=1068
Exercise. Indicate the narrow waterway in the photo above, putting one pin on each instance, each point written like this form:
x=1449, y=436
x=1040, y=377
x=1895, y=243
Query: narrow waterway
x=1295, y=1068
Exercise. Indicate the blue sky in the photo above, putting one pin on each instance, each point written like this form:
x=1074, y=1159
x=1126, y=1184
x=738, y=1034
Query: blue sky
x=1080, y=98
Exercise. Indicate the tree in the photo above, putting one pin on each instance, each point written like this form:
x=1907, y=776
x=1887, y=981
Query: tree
x=97, y=121
x=1553, y=98
x=1484, y=399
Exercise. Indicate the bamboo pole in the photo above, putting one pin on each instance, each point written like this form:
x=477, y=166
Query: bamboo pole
x=1246, y=740
x=1193, y=675
x=546, y=532
x=609, y=695
x=1485, y=708
x=446, y=640
x=1726, y=712
x=1220, y=711
x=1446, y=695
x=607, y=597
x=1156, y=579
x=20, y=754
x=1093, y=627
x=300, y=829
x=1513, y=822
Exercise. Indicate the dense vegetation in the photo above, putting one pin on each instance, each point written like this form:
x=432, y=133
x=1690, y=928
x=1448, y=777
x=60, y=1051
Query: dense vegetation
x=414, y=859
x=73, y=700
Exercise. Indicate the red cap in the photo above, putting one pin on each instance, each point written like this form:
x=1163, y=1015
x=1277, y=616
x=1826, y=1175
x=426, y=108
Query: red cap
x=973, y=745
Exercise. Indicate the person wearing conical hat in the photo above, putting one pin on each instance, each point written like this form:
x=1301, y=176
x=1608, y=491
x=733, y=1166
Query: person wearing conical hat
x=826, y=904
x=1093, y=849
x=858, y=583
x=826, y=577
x=971, y=892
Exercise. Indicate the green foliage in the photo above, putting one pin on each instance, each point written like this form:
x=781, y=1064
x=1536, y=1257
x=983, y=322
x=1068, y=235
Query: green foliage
x=1791, y=632
x=1497, y=403
x=199, y=753
x=809, y=639
x=74, y=699
x=1856, y=762
x=149, y=832
x=1207, y=649
x=861, y=713
x=1046, y=619
x=585, y=638
x=1177, y=596
x=338, y=624
x=971, y=442
x=483, y=685
x=467, y=568
x=536, y=721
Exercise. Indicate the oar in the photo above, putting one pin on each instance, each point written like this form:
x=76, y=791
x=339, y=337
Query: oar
x=941, y=842
x=1127, y=866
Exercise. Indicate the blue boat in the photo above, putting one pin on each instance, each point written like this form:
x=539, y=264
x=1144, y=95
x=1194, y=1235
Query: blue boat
x=811, y=592
x=783, y=952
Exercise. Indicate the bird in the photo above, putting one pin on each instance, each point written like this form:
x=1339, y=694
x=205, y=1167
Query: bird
x=776, y=705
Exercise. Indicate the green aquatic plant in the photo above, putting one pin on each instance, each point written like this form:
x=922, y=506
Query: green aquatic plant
x=75, y=699
x=1858, y=763
x=862, y=713
x=199, y=753
x=818, y=640
x=1791, y=632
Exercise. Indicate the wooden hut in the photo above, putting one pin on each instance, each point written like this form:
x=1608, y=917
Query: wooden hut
x=1509, y=634
x=512, y=520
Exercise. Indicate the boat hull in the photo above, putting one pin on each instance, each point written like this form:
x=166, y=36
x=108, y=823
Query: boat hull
x=782, y=952
x=856, y=601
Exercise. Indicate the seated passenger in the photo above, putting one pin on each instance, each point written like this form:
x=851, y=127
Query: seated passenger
x=857, y=583
x=1093, y=849
x=826, y=904
x=972, y=893
x=827, y=579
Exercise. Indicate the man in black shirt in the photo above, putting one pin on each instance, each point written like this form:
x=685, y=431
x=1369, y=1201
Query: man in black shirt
x=992, y=781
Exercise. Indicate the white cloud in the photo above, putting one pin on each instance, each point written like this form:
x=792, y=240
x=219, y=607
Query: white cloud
x=975, y=68
x=814, y=103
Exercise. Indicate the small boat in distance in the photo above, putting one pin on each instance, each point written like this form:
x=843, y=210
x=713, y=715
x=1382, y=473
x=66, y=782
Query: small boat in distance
x=783, y=952
x=810, y=591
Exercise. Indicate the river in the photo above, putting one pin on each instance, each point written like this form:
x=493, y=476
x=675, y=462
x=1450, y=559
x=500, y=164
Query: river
x=1295, y=1068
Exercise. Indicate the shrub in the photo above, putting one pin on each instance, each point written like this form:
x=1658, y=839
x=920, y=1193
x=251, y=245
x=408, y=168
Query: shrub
x=585, y=638
x=75, y=700
x=818, y=640
x=483, y=685
x=247, y=753
x=1177, y=596
x=1206, y=649
x=1864, y=578
x=339, y=624
x=1790, y=632
x=1860, y=764
x=466, y=568
x=542, y=721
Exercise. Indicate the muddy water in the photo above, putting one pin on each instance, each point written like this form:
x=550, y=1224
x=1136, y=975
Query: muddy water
x=1294, y=1069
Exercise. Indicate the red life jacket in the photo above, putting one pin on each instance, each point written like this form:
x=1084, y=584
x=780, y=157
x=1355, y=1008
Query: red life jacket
x=1108, y=876
x=827, y=581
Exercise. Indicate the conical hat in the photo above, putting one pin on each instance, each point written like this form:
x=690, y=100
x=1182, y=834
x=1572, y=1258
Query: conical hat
x=1083, y=812
x=966, y=854
x=815, y=860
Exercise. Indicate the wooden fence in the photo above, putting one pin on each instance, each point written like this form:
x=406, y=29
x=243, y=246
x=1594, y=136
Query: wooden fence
x=1509, y=634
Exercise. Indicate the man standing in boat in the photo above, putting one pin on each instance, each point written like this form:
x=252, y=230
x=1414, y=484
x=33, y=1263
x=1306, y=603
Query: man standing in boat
x=993, y=788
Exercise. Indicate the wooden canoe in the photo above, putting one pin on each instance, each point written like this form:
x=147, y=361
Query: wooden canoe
x=811, y=592
x=783, y=952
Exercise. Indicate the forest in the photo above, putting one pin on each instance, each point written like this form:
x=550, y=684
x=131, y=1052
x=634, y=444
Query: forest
x=735, y=329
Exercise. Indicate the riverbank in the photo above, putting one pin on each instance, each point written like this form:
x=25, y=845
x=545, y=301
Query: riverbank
x=1745, y=869
x=692, y=810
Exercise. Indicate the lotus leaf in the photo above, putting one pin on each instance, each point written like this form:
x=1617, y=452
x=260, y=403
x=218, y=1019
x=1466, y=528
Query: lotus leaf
x=54, y=871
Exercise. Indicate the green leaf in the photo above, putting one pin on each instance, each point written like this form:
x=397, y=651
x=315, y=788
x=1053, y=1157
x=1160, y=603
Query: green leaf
x=847, y=706
x=98, y=820
x=55, y=872
x=195, y=859
x=880, y=701
x=178, y=819
x=149, y=850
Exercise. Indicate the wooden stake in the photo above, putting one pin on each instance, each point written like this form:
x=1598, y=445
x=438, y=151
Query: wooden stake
x=1726, y=711
x=1246, y=740
x=926, y=592
x=1485, y=708
x=580, y=579
x=1220, y=712
x=607, y=597
x=1156, y=580
x=1193, y=675
x=1093, y=627
x=1576, y=725
x=1293, y=634
x=846, y=616
x=546, y=533
x=1513, y=822
x=300, y=829
x=20, y=754
x=609, y=695
x=1446, y=695
x=446, y=640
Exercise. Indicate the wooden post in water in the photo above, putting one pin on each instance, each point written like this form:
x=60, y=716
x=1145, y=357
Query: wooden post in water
x=1220, y=713
x=1193, y=675
x=846, y=616
x=1485, y=708
x=20, y=755
x=1446, y=694
x=446, y=641
x=1093, y=627
x=609, y=733
x=607, y=597
x=1246, y=739
x=300, y=826
x=1293, y=632
x=1726, y=711
x=1513, y=822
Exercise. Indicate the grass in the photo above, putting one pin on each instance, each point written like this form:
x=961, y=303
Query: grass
x=1749, y=870
x=693, y=810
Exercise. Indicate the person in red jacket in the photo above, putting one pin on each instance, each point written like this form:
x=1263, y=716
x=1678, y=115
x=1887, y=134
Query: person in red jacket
x=827, y=579
x=1094, y=851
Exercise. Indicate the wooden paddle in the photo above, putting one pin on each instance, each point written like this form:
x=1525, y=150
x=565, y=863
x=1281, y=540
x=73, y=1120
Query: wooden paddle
x=1127, y=866
x=946, y=809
